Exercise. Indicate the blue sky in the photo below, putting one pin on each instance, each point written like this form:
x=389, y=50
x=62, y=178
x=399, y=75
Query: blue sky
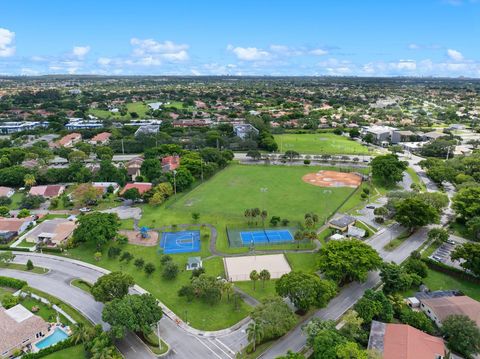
x=241, y=37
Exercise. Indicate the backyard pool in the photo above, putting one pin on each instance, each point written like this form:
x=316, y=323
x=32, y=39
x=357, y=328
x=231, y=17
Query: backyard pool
x=58, y=335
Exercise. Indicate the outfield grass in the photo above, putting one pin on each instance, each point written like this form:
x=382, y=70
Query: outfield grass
x=222, y=200
x=320, y=143
x=76, y=352
x=139, y=107
x=199, y=314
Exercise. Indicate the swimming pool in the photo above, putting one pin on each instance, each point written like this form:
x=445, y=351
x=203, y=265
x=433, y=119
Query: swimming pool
x=58, y=335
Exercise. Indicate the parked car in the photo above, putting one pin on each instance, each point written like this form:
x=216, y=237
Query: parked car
x=437, y=258
x=370, y=207
x=84, y=210
x=451, y=241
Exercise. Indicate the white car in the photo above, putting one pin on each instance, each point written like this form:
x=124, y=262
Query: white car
x=84, y=210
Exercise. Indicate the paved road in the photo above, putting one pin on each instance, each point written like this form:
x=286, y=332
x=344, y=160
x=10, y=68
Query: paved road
x=184, y=345
x=349, y=295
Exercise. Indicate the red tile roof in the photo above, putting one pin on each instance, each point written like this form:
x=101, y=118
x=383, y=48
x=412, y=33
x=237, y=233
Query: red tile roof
x=141, y=186
x=173, y=162
x=405, y=342
x=101, y=137
x=47, y=191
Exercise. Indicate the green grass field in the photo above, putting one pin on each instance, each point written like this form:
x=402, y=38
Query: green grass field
x=76, y=352
x=222, y=200
x=440, y=281
x=199, y=314
x=320, y=143
x=139, y=107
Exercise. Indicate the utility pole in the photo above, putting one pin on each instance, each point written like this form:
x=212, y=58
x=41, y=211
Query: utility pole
x=201, y=168
x=123, y=148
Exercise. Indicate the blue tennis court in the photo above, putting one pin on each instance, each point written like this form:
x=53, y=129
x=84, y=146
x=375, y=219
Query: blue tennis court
x=180, y=242
x=266, y=236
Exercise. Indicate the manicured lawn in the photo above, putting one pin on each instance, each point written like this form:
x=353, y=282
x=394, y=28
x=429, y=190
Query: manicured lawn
x=44, y=311
x=199, y=314
x=260, y=292
x=25, y=243
x=126, y=224
x=222, y=200
x=4, y=290
x=139, y=107
x=23, y=267
x=79, y=283
x=415, y=178
x=76, y=352
x=320, y=143
x=305, y=262
x=440, y=281
x=16, y=199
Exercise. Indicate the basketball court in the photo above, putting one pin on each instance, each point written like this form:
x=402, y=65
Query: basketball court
x=239, y=268
x=180, y=242
x=333, y=179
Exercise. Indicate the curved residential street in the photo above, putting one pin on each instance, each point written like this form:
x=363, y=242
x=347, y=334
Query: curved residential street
x=183, y=344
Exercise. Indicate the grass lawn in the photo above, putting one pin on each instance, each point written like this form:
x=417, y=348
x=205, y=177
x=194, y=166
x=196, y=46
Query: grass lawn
x=222, y=200
x=5, y=290
x=76, y=352
x=415, y=178
x=320, y=143
x=23, y=267
x=25, y=243
x=139, y=107
x=305, y=262
x=16, y=199
x=199, y=314
x=79, y=283
x=126, y=224
x=440, y=281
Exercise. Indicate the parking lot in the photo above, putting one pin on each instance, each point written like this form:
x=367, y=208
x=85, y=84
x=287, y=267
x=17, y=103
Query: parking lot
x=443, y=253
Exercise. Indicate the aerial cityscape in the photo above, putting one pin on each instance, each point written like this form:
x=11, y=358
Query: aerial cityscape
x=240, y=179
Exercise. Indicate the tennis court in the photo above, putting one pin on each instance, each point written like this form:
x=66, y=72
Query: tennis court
x=266, y=236
x=180, y=242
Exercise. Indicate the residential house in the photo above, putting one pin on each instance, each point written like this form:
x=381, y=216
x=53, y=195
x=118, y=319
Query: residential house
x=100, y=139
x=30, y=164
x=144, y=122
x=103, y=186
x=48, y=191
x=19, y=329
x=170, y=163
x=12, y=227
x=342, y=223
x=438, y=309
x=133, y=167
x=52, y=232
x=244, y=130
x=356, y=232
x=6, y=191
x=142, y=187
x=401, y=341
x=68, y=140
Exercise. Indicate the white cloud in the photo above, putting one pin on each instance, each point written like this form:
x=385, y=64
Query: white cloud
x=408, y=65
x=455, y=55
x=26, y=71
x=249, y=53
x=319, y=52
x=154, y=51
x=414, y=46
x=104, y=61
x=6, y=43
x=80, y=51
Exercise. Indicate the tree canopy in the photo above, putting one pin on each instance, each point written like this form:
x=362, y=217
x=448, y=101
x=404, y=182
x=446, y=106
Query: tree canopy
x=388, y=169
x=348, y=260
x=111, y=286
x=97, y=227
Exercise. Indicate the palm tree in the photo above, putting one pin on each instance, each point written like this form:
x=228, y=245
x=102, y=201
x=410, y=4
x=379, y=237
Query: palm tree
x=255, y=212
x=103, y=352
x=263, y=276
x=29, y=180
x=248, y=214
x=264, y=216
x=298, y=236
x=254, y=277
x=254, y=333
x=81, y=333
x=228, y=289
